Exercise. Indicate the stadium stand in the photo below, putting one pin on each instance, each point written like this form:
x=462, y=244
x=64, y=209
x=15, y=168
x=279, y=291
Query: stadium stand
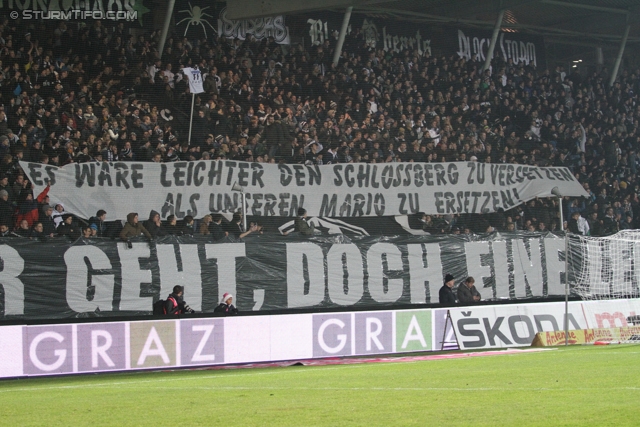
x=78, y=93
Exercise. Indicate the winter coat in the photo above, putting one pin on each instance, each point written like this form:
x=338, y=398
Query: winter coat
x=133, y=230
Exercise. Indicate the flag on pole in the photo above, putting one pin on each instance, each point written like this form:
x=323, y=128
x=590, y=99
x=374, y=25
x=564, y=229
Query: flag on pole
x=195, y=80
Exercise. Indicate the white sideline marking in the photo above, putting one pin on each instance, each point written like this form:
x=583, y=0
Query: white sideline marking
x=160, y=380
x=230, y=374
x=417, y=388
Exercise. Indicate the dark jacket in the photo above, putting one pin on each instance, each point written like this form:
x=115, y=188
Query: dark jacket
x=303, y=227
x=174, y=305
x=70, y=230
x=216, y=231
x=133, y=230
x=234, y=228
x=48, y=226
x=102, y=226
x=151, y=226
x=446, y=295
x=466, y=294
x=6, y=213
x=228, y=310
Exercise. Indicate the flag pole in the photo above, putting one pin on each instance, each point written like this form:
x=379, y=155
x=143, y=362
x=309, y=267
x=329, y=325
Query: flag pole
x=193, y=101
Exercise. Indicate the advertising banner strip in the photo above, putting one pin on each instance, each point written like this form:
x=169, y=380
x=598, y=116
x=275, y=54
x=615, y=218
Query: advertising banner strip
x=518, y=325
x=341, y=190
x=166, y=343
x=587, y=336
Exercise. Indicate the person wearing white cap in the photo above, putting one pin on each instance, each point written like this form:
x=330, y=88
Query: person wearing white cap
x=226, y=305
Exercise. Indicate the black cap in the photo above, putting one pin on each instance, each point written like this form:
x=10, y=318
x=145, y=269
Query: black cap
x=448, y=278
x=301, y=211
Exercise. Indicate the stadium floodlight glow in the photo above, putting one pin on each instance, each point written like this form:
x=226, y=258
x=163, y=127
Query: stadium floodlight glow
x=240, y=188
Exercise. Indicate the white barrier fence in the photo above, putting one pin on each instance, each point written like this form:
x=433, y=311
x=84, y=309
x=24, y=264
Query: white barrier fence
x=34, y=350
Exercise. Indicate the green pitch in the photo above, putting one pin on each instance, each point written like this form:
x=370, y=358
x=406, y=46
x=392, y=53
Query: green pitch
x=595, y=386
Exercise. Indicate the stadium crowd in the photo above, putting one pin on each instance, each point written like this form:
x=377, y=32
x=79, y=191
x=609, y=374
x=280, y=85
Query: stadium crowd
x=73, y=92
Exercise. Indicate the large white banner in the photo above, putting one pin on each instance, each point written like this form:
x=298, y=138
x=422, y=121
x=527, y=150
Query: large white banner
x=340, y=190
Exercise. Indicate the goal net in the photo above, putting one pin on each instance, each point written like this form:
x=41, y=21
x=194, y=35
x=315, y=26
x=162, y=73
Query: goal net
x=604, y=268
x=605, y=271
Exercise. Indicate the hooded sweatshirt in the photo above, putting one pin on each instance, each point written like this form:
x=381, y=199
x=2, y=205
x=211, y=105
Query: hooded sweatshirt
x=133, y=230
x=151, y=226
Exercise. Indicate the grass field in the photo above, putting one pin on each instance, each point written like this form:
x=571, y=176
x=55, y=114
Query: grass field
x=595, y=386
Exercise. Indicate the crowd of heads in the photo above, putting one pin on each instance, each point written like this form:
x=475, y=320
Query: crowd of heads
x=73, y=92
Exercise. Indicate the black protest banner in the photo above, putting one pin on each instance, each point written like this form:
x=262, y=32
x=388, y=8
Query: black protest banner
x=101, y=277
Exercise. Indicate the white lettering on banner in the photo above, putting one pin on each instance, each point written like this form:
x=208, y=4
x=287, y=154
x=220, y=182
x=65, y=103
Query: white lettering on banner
x=318, y=31
x=501, y=269
x=424, y=263
x=271, y=26
x=80, y=282
x=225, y=255
x=477, y=48
x=189, y=275
x=384, y=261
x=372, y=335
x=13, y=266
x=345, y=285
x=414, y=333
x=153, y=347
x=305, y=274
x=101, y=350
x=511, y=326
x=61, y=354
x=527, y=268
x=474, y=252
x=133, y=277
x=385, y=270
x=554, y=249
x=400, y=43
x=342, y=338
x=197, y=355
x=66, y=5
x=341, y=190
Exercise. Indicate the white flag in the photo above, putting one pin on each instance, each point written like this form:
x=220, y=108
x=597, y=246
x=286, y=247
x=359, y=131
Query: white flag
x=195, y=79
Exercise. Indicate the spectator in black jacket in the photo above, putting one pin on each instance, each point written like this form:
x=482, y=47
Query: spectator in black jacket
x=172, y=228
x=446, y=291
x=216, y=228
x=6, y=210
x=154, y=225
x=69, y=228
x=48, y=225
